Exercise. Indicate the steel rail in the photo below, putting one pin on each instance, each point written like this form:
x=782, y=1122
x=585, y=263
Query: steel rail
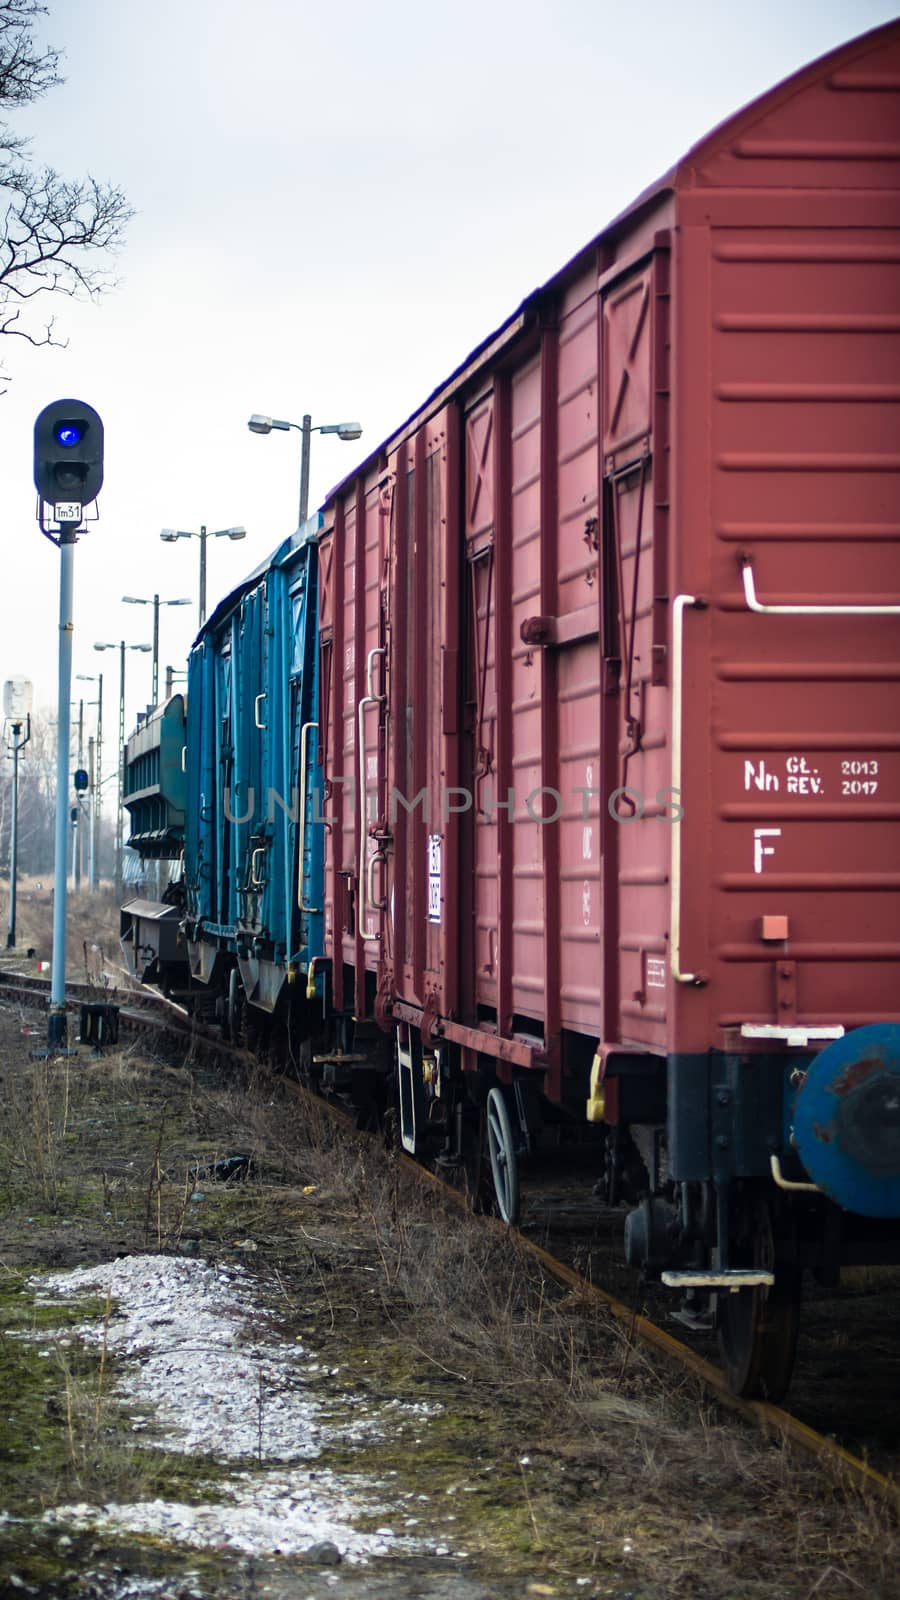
x=136, y=1008
x=770, y=1419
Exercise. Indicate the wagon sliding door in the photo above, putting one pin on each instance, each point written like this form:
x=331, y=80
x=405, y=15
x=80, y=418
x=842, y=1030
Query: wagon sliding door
x=425, y=802
x=352, y=566
x=637, y=807
x=533, y=690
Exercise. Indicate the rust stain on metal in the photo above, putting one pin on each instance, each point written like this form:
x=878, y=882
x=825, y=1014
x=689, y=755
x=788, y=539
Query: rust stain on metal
x=856, y=1073
x=823, y=1132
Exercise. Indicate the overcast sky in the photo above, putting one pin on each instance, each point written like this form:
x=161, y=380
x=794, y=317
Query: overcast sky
x=334, y=203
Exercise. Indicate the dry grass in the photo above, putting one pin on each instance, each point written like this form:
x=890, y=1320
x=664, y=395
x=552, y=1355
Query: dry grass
x=705, y=1506
x=612, y=1462
x=92, y=922
x=593, y=1452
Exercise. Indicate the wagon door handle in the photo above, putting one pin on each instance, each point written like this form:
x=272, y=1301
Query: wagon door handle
x=255, y=880
x=373, y=904
x=301, y=821
x=256, y=705
x=760, y=607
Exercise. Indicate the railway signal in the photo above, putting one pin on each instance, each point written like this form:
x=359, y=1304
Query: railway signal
x=68, y=475
x=68, y=458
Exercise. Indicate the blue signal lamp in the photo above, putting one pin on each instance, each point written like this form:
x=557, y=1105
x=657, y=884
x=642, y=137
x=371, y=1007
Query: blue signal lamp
x=68, y=457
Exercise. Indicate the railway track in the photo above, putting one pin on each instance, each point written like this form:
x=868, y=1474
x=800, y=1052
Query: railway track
x=138, y=1008
x=141, y=1010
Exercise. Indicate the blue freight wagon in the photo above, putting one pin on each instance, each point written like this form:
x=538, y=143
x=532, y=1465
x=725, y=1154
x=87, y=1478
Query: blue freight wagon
x=245, y=916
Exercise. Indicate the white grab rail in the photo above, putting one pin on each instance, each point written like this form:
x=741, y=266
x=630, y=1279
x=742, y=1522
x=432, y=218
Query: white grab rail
x=301, y=820
x=760, y=607
x=369, y=699
x=256, y=705
x=681, y=602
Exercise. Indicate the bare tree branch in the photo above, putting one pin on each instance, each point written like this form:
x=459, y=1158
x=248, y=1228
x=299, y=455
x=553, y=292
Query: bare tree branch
x=25, y=72
x=52, y=230
x=58, y=235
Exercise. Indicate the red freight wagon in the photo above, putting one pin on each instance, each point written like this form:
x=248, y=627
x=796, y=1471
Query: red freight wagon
x=609, y=635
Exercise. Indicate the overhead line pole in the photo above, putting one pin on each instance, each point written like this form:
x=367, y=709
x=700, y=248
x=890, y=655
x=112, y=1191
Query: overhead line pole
x=97, y=792
x=18, y=744
x=92, y=842
x=77, y=832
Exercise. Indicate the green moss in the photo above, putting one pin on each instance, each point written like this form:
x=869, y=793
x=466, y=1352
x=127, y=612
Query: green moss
x=64, y=1435
x=64, y=1445
x=480, y=1498
x=51, y=1562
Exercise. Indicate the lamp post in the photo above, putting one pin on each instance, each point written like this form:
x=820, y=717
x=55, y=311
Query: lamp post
x=96, y=775
x=169, y=535
x=121, y=647
x=77, y=851
x=344, y=430
x=135, y=600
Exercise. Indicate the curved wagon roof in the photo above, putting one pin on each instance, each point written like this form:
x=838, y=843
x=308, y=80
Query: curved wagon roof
x=773, y=143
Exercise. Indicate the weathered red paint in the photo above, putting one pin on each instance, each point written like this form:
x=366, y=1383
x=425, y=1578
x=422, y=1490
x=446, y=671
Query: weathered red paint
x=713, y=382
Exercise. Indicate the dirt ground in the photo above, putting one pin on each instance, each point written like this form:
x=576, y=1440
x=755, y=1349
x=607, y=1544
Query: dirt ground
x=553, y=1458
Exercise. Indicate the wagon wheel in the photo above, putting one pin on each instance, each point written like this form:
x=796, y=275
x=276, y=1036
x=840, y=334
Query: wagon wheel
x=758, y=1327
x=504, y=1159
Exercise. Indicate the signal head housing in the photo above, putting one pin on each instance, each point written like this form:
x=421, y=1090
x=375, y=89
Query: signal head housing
x=68, y=455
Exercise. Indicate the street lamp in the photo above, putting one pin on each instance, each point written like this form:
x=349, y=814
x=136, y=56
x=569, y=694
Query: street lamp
x=133, y=600
x=121, y=647
x=96, y=774
x=169, y=535
x=344, y=430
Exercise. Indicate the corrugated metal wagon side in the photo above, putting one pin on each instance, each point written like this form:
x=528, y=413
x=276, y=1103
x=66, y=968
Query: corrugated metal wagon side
x=788, y=416
x=609, y=665
x=785, y=600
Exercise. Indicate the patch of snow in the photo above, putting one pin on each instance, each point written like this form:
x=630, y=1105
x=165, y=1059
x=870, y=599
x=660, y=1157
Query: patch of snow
x=188, y=1332
x=192, y=1352
x=265, y=1514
